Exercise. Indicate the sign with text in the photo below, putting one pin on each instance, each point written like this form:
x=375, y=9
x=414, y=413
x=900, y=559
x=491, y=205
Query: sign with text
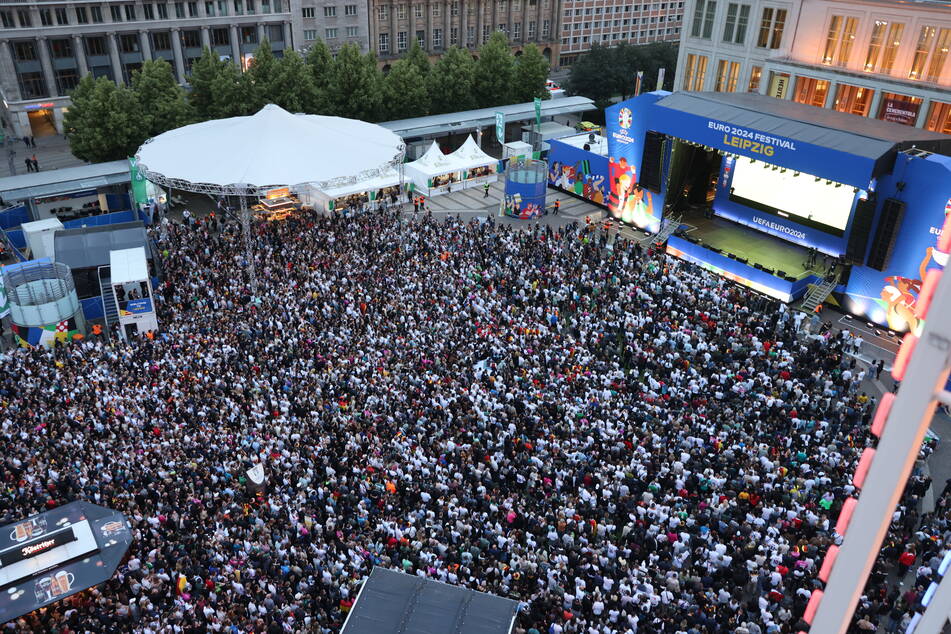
x=899, y=110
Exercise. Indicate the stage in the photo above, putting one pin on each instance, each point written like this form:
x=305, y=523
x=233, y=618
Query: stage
x=755, y=246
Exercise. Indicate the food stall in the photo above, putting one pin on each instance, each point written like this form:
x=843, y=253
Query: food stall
x=372, y=191
x=437, y=173
x=277, y=204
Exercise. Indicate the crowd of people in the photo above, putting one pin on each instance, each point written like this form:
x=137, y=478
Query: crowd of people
x=618, y=440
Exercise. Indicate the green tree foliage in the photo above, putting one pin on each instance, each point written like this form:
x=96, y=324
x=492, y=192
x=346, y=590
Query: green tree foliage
x=355, y=85
x=218, y=88
x=405, y=93
x=292, y=85
x=593, y=76
x=161, y=99
x=321, y=64
x=495, y=72
x=451, y=82
x=204, y=71
x=261, y=75
x=603, y=73
x=418, y=58
x=531, y=72
x=104, y=122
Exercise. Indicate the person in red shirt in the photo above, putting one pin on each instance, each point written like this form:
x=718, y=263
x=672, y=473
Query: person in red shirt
x=905, y=561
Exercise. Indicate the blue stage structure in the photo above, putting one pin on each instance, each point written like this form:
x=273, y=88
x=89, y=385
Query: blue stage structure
x=526, y=186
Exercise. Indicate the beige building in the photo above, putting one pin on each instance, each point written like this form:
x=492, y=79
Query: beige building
x=439, y=24
x=884, y=59
x=610, y=22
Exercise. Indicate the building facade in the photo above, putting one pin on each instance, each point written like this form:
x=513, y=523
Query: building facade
x=885, y=59
x=336, y=22
x=47, y=47
x=610, y=22
x=439, y=24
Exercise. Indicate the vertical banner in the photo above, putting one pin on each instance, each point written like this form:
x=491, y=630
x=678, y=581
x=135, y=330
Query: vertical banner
x=500, y=127
x=660, y=78
x=778, y=85
x=538, y=111
x=4, y=302
x=637, y=83
x=140, y=195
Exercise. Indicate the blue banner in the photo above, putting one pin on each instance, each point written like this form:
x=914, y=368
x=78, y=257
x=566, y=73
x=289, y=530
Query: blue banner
x=577, y=171
x=136, y=307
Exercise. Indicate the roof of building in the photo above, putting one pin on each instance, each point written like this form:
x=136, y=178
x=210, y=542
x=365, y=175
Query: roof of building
x=90, y=246
x=469, y=120
x=390, y=602
x=853, y=134
x=63, y=181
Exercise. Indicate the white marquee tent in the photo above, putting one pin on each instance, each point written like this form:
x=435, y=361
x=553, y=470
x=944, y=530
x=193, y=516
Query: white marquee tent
x=435, y=173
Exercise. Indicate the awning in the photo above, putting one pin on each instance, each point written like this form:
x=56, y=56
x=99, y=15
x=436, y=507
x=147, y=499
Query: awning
x=64, y=181
x=391, y=602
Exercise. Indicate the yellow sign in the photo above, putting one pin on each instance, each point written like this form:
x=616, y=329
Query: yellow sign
x=778, y=86
x=281, y=192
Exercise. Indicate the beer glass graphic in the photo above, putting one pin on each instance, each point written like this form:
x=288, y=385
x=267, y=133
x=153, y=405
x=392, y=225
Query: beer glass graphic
x=61, y=583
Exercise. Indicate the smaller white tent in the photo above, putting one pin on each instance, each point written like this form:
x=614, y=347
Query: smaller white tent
x=320, y=199
x=437, y=173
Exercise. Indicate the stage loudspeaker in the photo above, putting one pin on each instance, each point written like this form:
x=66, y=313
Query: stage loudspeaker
x=893, y=211
x=652, y=162
x=861, y=227
x=781, y=274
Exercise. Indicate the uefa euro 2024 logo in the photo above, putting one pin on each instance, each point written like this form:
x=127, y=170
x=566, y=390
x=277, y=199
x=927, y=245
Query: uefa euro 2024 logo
x=625, y=118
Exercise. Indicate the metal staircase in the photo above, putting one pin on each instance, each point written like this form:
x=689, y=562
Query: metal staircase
x=110, y=309
x=817, y=294
x=667, y=229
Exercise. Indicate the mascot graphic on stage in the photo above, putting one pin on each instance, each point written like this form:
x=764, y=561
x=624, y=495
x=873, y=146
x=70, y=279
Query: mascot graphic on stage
x=629, y=201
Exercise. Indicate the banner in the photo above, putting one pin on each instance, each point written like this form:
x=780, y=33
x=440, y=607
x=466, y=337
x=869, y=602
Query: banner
x=538, y=111
x=778, y=86
x=500, y=127
x=4, y=301
x=140, y=193
x=899, y=110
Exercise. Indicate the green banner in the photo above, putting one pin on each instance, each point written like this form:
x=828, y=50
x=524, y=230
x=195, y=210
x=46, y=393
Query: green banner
x=139, y=192
x=500, y=127
x=538, y=111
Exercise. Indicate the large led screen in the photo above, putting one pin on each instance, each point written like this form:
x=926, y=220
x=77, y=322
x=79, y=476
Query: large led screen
x=798, y=196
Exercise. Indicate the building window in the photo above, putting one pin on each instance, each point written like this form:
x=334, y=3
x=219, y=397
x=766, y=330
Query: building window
x=531, y=30
x=437, y=38
x=116, y=12
x=307, y=12
x=453, y=36
x=310, y=34
x=96, y=45
x=24, y=51
x=163, y=11
x=330, y=34
x=852, y=99
x=330, y=12
x=61, y=18
x=500, y=5
x=839, y=40
x=418, y=10
x=421, y=38
x=249, y=8
x=381, y=13
x=546, y=28
x=128, y=43
x=503, y=28
x=899, y=108
x=7, y=17
x=728, y=74
x=384, y=44
x=436, y=11
x=933, y=43
x=46, y=18
x=939, y=117
x=737, y=18
x=696, y=72
x=220, y=37
x=401, y=12
x=222, y=8
x=210, y=8
x=470, y=36
x=454, y=9
x=892, y=43
x=81, y=16
x=61, y=48
x=703, y=16
x=401, y=41
x=191, y=39
x=771, y=28
x=24, y=18
x=486, y=29
x=32, y=85
x=353, y=31
x=180, y=10
x=66, y=80
x=129, y=12
x=756, y=74
x=349, y=9
x=811, y=91
x=517, y=31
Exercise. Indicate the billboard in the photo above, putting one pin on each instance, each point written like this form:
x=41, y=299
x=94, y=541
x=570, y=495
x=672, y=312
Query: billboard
x=577, y=171
x=890, y=297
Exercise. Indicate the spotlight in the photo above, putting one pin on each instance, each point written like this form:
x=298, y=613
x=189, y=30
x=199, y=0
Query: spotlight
x=818, y=179
x=795, y=174
x=838, y=184
x=775, y=167
x=782, y=171
x=828, y=182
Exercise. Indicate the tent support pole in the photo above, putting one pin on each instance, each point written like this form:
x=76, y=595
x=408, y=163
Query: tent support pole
x=248, y=250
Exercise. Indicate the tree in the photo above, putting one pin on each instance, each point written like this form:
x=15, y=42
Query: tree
x=205, y=70
x=495, y=72
x=451, y=82
x=603, y=73
x=418, y=58
x=321, y=64
x=405, y=92
x=104, y=122
x=593, y=76
x=531, y=73
x=260, y=75
x=160, y=97
x=355, y=85
x=292, y=85
x=218, y=88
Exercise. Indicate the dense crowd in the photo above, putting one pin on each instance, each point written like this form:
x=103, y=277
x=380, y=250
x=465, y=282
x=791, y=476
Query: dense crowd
x=620, y=441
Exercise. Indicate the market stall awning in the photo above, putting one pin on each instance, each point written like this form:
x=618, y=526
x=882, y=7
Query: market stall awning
x=432, y=163
x=269, y=149
x=390, y=178
x=470, y=155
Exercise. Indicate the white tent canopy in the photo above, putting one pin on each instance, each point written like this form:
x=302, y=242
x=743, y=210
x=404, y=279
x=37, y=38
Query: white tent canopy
x=470, y=155
x=268, y=149
x=389, y=178
x=432, y=163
